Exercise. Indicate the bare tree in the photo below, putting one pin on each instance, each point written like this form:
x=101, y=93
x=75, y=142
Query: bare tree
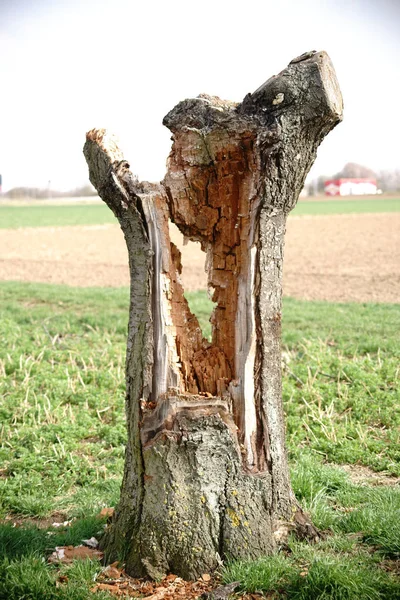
x=389, y=180
x=354, y=170
x=206, y=472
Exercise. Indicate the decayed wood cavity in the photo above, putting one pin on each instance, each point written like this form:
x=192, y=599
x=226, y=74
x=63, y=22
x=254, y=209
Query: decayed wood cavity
x=212, y=189
x=184, y=362
x=234, y=173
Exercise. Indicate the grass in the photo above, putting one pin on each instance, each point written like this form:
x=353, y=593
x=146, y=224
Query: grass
x=308, y=573
x=12, y=217
x=30, y=578
x=16, y=542
x=62, y=414
x=99, y=214
x=341, y=383
x=333, y=207
x=62, y=438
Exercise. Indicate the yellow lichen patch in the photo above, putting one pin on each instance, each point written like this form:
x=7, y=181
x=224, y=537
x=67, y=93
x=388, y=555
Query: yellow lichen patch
x=235, y=519
x=246, y=524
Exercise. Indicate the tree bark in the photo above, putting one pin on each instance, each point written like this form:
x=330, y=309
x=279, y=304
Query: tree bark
x=206, y=474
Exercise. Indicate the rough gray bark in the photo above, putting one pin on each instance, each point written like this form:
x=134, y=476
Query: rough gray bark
x=206, y=473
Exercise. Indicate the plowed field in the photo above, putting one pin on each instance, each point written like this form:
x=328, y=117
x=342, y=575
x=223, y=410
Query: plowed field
x=330, y=257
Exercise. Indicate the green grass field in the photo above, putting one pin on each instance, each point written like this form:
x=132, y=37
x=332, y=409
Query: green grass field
x=62, y=440
x=97, y=214
x=12, y=217
x=334, y=207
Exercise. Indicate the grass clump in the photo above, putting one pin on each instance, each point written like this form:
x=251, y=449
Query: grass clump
x=316, y=487
x=24, y=572
x=341, y=578
x=27, y=578
x=32, y=579
x=307, y=574
x=340, y=507
x=16, y=542
x=376, y=516
x=270, y=574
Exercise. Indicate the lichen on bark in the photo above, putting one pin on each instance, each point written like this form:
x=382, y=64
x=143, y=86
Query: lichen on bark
x=206, y=472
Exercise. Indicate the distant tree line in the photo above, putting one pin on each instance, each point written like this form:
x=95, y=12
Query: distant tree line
x=32, y=192
x=387, y=180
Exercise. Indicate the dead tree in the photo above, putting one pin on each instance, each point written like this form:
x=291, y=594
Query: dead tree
x=206, y=472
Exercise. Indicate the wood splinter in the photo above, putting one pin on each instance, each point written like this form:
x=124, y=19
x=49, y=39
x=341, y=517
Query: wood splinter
x=206, y=472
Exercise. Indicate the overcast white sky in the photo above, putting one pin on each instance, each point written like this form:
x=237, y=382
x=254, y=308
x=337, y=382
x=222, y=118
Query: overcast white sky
x=68, y=66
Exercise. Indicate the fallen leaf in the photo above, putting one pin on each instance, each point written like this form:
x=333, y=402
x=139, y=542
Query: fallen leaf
x=170, y=588
x=160, y=594
x=67, y=554
x=106, y=587
x=106, y=513
x=111, y=572
x=147, y=588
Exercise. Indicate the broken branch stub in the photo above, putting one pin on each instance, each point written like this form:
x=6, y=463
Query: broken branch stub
x=206, y=472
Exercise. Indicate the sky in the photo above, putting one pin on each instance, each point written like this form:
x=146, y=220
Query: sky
x=69, y=66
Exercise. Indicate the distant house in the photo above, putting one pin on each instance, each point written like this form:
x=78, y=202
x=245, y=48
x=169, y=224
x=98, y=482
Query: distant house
x=350, y=187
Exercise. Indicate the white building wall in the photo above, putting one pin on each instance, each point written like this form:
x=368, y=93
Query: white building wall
x=350, y=188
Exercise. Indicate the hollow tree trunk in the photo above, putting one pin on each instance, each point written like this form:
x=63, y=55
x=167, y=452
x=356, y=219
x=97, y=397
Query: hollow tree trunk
x=206, y=473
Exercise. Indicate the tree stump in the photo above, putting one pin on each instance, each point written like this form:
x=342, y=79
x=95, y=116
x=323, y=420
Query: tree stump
x=206, y=474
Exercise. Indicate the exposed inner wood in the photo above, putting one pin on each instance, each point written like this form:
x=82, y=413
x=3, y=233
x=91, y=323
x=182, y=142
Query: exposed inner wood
x=225, y=188
x=211, y=190
x=206, y=470
x=210, y=195
x=184, y=362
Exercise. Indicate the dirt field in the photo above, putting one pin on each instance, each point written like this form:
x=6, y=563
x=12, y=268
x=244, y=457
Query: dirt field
x=335, y=257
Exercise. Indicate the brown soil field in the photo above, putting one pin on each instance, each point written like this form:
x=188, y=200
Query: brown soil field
x=330, y=257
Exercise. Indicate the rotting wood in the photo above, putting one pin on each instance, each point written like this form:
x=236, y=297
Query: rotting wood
x=206, y=471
